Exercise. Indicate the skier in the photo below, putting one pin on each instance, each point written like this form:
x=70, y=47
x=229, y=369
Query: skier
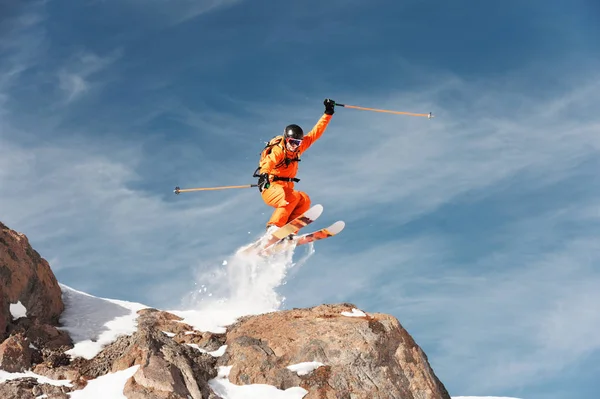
x=278, y=167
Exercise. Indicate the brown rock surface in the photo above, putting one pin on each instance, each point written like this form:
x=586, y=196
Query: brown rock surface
x=30, y=388
x=364, y=357
x=15, y=354
x=4, y=312
x=25, y=276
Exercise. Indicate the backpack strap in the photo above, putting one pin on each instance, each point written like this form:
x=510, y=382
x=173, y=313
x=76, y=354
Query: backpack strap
x=277, y=140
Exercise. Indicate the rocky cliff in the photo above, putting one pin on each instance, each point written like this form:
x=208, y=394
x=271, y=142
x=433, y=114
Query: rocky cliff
x=328, y=351
x=26, y=278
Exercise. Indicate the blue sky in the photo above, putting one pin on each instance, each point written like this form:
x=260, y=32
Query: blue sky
x=478, y=229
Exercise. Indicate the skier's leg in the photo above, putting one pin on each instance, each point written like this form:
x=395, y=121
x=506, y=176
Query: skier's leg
x=283, y=200
x=302, y=206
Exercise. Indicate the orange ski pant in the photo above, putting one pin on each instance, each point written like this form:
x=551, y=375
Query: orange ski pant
x=288, y=203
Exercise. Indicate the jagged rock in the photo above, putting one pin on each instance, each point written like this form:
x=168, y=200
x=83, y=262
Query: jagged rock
x=42, y=335
x=168, y=370
x=15, y=354
x=63, y=372
x=21, y=388
x=364, y=357
x=29, y=388
x=51, y=391
x=184, y=333
x=26, y=277
x=206, y=340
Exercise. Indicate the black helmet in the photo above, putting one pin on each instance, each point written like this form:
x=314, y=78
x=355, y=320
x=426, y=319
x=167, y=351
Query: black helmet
x=293, y=132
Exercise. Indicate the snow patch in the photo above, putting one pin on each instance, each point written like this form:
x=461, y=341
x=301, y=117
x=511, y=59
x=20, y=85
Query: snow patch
x=169, y=334
x=304, y=368
x=212, y=320
x=94, y=322
x=355, y=313
x=17, y=310
x=107, y=386
x=227, y=390
x=219, y=352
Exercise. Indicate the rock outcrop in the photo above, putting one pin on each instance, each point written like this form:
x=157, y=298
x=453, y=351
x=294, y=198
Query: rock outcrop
x=363, y=356
x=169, y=368
x=26, y=277
x=352, y=355
x=26, y=280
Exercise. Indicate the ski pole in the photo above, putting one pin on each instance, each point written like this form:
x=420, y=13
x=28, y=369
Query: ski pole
x=186, y=190
x=429, y=115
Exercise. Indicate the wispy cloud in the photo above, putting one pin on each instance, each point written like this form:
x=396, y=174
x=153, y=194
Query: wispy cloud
x=75, y=77
x=25, y=48
x=72, y=84
x=82, y=194
x=534, y=323
x=183, y=11
x=21, y=44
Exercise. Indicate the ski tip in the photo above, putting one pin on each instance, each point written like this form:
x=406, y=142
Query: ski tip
x=336, y=227
x=314, y=212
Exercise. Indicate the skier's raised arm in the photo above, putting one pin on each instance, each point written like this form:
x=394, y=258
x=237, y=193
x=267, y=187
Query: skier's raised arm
x=318, y=130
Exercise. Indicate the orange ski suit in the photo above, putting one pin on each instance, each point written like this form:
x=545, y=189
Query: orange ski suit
x=288, y=203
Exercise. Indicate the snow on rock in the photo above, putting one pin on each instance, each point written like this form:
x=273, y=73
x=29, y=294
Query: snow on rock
x=17, y=310
x=94, y=322
x=227, y=390
x=6, y=376
x=107, y=386
x=218, y=353
x=206, y=320
x=355, y=313
x=304, y=368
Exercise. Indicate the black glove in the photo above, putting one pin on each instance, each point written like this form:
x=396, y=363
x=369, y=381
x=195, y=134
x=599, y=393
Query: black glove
x=263, y=182
x=329, y=106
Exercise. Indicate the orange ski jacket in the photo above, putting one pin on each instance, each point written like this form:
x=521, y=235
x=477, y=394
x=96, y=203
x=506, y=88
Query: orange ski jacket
x=274, y=163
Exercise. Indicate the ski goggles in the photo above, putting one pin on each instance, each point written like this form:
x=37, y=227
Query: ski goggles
x=294, y=142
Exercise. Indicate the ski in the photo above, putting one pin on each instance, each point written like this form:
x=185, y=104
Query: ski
x=295, y=225
x=326, y=232
x=307, y=238
x=290, y=229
